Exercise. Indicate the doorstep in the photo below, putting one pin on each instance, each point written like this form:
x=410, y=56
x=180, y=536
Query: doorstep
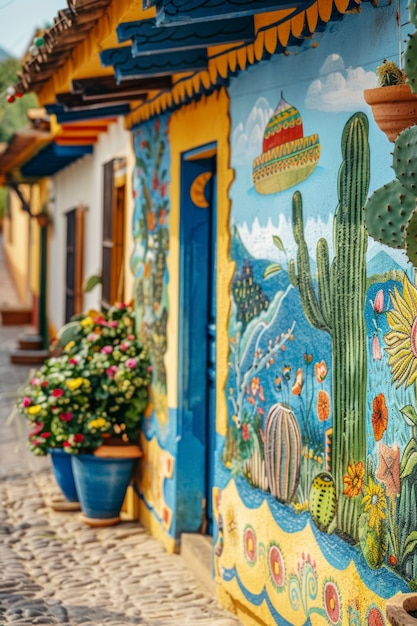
x=197, y=552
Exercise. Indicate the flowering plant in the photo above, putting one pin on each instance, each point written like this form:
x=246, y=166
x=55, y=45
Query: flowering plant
x=98, y=388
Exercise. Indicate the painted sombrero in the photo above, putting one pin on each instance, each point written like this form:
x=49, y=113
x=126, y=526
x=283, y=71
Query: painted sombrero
x=287, y=156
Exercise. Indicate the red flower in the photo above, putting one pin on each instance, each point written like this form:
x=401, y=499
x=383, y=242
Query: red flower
x=66, y=416
x=44, y=384
x=66, y=444
x=45, y=435
x=78, y=438
x=379, y=416
x=245, y=432
x=57, y=393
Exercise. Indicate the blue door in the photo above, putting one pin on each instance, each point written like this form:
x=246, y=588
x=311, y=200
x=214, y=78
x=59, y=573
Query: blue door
x=197, y=337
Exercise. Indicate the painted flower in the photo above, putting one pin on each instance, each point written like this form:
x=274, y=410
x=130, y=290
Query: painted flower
x=45, y=435
x=375, y=502
x=99, y=422
x=36, y=429
x=107, y=349
x=376, y=349
x=354, y=479
x=378, y=303
x=26, y=401
x=379, y=416
x=69, y=346
x=73, y=361
x=323, y=405
x=388, y=471
x=93, y=337
x=298, y=384
x=332, y=603
x=278, y=383
x=57, y=393
x=320, y=370
x=245, y=432
x=87, y=321
x=78, y=438
x=131, y=363
x=255, y=385
x=286, y=372
x=401, y=340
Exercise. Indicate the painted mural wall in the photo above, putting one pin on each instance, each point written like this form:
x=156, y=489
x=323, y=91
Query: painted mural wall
x=316, y=498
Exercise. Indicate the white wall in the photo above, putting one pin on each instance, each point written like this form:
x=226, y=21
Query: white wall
x=82, y=184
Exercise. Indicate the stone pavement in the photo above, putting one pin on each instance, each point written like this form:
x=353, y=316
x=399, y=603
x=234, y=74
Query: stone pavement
x=56, y=570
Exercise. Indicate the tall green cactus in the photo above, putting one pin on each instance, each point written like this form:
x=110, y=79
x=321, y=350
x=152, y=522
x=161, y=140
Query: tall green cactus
x=338, y=307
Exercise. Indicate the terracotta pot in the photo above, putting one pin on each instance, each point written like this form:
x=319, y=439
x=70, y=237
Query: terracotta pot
x=394, y=108
x=402, y=609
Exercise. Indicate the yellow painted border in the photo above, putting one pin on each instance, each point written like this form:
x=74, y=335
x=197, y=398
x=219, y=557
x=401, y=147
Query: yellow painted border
x=195, y=125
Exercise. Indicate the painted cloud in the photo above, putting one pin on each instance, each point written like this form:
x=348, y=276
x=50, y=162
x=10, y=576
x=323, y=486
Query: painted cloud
x=247, y=139
x=338, y=89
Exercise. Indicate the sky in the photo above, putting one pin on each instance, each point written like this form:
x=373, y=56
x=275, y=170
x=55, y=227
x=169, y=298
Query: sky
x=20, y=18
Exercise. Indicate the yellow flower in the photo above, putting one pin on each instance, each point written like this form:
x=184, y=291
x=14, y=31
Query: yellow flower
x=87, y=321
x=375, y=502
x=99, y=422
x=401, y=340
x=74, y=383
x=35, y=409
x=69, y=346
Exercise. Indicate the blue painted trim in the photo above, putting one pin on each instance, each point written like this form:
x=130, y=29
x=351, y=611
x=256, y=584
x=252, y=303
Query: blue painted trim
x=64, y=115
x=147, y=38
x=162, y=64
x=174, y=12
x=52, y=159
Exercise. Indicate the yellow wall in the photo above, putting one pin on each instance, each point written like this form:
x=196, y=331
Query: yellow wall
x=16, y=244
x=198, y=124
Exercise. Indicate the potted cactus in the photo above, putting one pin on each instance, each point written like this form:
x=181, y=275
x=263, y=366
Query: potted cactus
x=394, y=105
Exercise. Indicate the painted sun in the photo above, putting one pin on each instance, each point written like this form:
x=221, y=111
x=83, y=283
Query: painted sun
x=401, y=340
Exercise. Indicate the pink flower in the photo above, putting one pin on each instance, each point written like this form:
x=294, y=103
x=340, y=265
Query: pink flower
x=149, y=368
x=131, y=363
x=131, y=337
x=66, y=416
x=378, y=303
x=78, y=438
x=34, y=382
x=124, y=346
x=113, y=324
x=36, y=429
x=376, y=349
x=26, y=401
x=106, y=349
x=99, y=319
x=73, y=361
x=111, y=371
x=92, y=336
x=57, y=393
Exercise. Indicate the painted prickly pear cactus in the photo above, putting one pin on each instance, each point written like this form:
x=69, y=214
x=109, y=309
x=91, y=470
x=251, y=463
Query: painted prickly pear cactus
x=282, y=452
x=338, y=307
x=323, y=501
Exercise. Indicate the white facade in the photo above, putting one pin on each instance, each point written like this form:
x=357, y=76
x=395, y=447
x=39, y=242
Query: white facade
x=81, y=184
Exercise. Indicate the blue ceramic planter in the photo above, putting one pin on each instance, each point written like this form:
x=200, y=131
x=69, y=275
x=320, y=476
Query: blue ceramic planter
x=101, y=484
x=62, y=469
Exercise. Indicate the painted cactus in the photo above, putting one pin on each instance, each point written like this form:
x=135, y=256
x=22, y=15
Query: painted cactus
x=338, y=307
x=282, y=452
x=322, y=501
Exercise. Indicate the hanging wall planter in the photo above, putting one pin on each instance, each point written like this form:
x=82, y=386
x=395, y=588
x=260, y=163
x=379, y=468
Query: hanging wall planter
x=394, y=108
x=102, y=479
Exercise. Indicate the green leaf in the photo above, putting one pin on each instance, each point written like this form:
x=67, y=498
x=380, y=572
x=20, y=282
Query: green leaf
x=409, y=465
x=91, y=282
x=409, y=449
x=277, y=241
x=410, y=414
x=274, y=268
x=409, y=545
